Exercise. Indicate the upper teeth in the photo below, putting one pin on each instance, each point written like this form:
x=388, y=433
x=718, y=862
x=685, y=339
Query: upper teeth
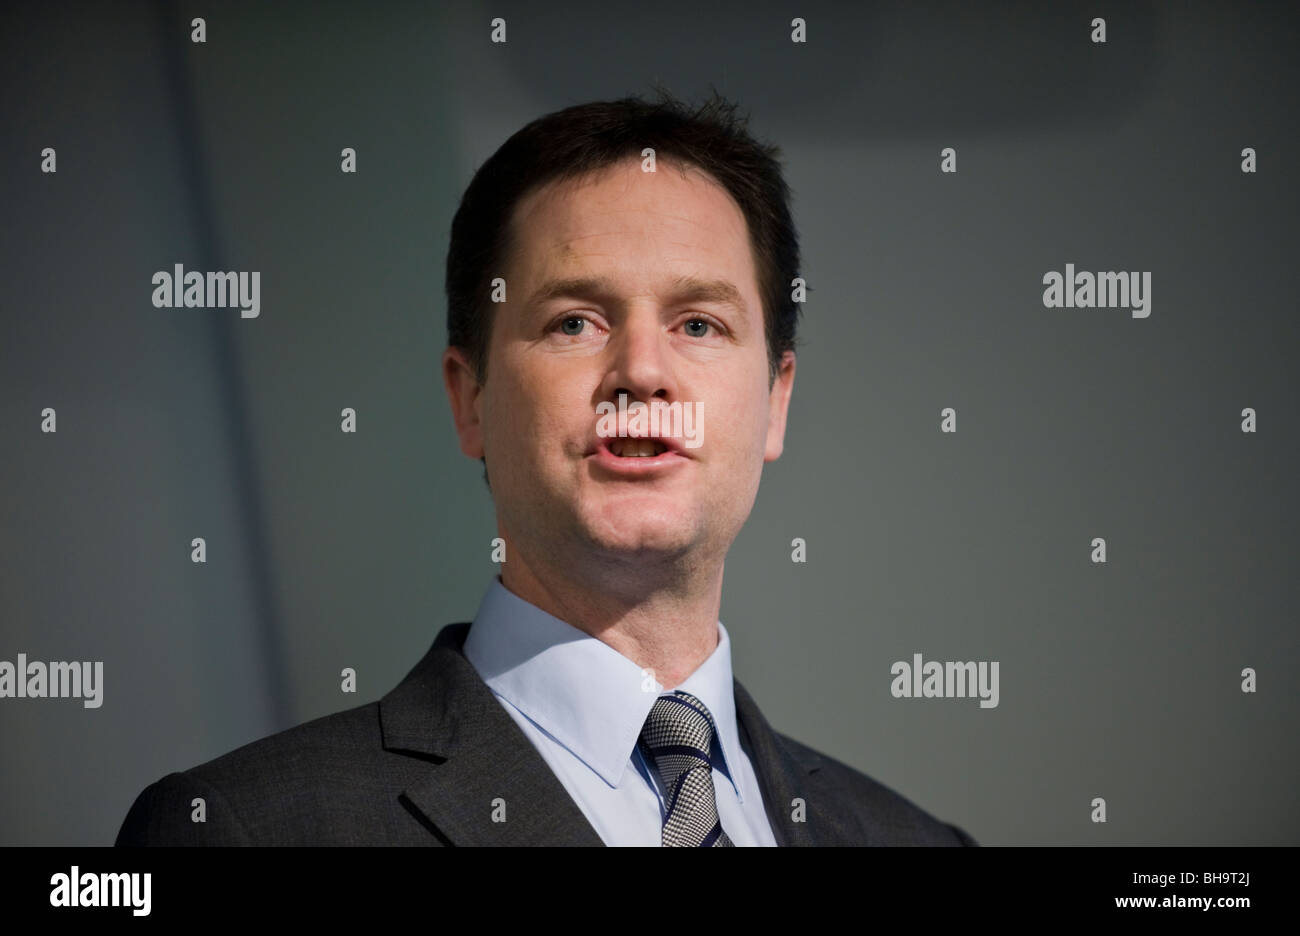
x=636, y=448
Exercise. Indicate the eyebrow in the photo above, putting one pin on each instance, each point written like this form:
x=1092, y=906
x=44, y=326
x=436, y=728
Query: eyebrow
x=682, y=289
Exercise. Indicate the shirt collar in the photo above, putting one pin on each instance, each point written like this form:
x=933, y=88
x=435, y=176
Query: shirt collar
x=581, y=691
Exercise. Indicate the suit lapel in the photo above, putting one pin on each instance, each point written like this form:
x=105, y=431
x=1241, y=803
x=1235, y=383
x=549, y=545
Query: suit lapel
x=480, y=768
x=477, y=763
x=784, y=775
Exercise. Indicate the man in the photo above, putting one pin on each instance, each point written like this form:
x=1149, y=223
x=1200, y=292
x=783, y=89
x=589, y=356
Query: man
x=612, y=257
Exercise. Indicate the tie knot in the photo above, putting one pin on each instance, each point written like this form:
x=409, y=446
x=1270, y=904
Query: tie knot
x=678, y=734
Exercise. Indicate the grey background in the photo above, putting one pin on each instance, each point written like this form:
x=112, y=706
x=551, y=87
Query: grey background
x=327, y=550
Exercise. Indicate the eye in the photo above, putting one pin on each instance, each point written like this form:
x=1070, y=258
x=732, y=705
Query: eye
x=705, y=323
x=572, y=325
x=576, y=321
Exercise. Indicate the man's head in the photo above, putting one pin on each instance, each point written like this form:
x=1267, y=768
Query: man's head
x=668, y=286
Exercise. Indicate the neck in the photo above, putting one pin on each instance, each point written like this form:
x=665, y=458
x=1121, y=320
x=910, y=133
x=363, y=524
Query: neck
x=661, y=614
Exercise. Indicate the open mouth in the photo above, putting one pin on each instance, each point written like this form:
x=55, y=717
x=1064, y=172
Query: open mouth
x=636, y=448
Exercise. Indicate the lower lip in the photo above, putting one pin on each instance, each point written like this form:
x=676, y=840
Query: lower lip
x=650, y=464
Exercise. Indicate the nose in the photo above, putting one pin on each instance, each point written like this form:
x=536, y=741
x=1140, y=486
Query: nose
x=641, y=364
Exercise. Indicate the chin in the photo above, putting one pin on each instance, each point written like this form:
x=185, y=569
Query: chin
x=642, y=537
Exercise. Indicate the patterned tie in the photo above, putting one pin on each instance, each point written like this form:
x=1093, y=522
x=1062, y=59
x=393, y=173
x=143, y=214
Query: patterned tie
x=676, y=740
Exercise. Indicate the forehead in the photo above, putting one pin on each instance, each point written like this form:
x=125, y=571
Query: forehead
x=679, y=217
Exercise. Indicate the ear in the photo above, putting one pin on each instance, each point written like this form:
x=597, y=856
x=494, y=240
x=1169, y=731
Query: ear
x=463, y=391
x=778, y=404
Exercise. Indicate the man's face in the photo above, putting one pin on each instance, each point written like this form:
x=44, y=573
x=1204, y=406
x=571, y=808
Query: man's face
x=636, y=327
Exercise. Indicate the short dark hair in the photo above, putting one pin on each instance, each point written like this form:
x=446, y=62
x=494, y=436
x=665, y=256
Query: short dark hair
x=582, y=139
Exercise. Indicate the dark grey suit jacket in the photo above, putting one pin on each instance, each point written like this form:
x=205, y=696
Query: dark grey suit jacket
x=426, y=763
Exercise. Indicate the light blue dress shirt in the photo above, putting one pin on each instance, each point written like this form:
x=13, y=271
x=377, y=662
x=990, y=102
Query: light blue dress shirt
x=582, y=704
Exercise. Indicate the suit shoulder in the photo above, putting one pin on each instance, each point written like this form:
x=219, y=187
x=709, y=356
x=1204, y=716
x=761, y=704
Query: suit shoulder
x=333, y=740
x=880, y=813
x=173, y=811
x=281, y=789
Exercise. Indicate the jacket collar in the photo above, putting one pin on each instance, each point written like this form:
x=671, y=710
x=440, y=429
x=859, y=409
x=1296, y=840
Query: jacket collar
x=482, y=768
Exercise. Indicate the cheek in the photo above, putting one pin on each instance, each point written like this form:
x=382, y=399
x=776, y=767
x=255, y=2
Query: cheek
x=505, y=424
x=533, y=420
x=742, y=430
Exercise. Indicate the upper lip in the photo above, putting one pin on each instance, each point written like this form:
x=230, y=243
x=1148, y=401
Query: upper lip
x=671, y=443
